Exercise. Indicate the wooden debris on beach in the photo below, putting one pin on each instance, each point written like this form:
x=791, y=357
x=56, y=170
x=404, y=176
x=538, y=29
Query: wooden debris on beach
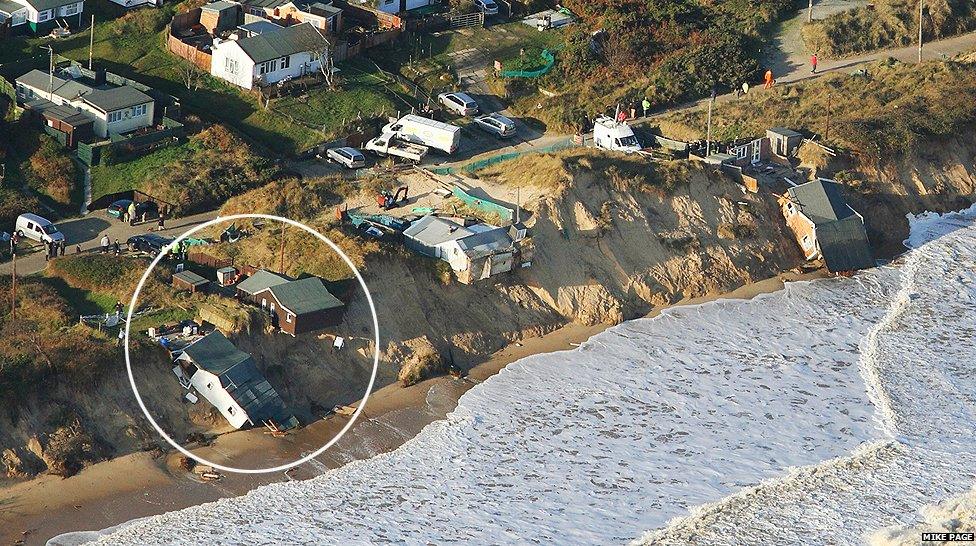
x=210, y=476
x=344, y=410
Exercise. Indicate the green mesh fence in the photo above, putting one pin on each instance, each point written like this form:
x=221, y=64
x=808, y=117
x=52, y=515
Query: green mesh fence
x=546, y=56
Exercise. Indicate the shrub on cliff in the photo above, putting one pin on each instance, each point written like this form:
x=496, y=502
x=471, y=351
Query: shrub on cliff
x=422, y=364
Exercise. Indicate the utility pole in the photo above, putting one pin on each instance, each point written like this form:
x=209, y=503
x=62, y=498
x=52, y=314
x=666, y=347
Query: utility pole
x=50, y=72
x=921, y=13
x=91, y=43
x=13, y=290
x=827, y=128
x=810, y=12
x=708, y=137
x=281, y=251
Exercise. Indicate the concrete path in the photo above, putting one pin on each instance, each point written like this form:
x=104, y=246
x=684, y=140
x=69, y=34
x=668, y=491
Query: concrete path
x=789, y=53
x=87, y=232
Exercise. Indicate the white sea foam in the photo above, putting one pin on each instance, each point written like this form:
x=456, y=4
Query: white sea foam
x=806, y=416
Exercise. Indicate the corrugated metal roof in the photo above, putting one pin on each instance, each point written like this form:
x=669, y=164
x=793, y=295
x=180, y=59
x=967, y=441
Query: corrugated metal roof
x=240, y=377
x=267, y=4
x=215, y=353
x=287, y=41
x=220, y=5
x=485, y=243
x=262, y=279
x=189, y=277
x=821, y=201
x=432, y=231
x=306, y=295
x=41, y=5
x=844, y=245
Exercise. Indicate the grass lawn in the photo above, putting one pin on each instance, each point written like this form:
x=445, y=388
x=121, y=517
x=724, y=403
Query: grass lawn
x=364, y=92
x=426, y=59
x=84, y=302
x=127, y=175
x=134, y=46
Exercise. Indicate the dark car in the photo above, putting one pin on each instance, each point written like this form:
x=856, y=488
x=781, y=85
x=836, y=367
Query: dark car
x=116, y=209
x=150, y=243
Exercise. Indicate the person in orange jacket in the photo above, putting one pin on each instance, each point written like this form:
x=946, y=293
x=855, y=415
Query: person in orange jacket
x=769, y=79
x=813, y=63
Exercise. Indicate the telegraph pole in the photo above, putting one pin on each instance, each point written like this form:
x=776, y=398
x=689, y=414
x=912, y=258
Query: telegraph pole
x=50, y=73
x=281, y=251
x=827, y=128
x=810, y=12
x=708, y=137
x=921, y=13
x=91, y=43
x=13, y=290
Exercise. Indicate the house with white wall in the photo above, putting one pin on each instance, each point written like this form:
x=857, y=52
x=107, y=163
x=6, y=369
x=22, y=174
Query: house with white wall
x=269, y=57
x=114, y=109
x=228, y=378
x=474, y=252
x=40, y=16
x=395, y=6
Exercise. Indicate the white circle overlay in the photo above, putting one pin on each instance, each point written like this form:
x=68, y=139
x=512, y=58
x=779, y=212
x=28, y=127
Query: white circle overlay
x=376, y=341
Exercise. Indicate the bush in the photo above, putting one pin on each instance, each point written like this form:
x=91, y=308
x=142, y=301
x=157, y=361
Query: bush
x=51, y=171
x=421, y=365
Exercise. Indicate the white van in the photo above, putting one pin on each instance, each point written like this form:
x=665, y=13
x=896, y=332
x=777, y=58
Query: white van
x=615, y=135
x=426, y=132
x=40, y=229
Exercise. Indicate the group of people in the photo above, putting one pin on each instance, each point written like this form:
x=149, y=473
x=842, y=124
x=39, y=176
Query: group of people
x=107, y=246
x=53, y=249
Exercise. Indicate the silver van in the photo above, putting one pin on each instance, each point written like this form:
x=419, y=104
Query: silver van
x=40, y=229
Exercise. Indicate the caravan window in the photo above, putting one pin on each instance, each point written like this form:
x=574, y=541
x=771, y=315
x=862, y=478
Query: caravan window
x=230, y=410
x=288, y=317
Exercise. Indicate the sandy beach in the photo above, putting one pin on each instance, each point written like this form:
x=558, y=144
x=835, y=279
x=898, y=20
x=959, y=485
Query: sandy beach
x=139, y=485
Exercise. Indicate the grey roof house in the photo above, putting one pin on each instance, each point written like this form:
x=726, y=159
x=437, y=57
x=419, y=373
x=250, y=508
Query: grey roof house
x=269, y=57
x=301, y=306
x=228, y=378
x=475, y=252
x=827, y=227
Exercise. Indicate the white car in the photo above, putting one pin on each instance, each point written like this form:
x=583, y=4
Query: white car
x=496, y=124
x=349, y=158
x=488, y=7
x=40, y=229
x=459, y=103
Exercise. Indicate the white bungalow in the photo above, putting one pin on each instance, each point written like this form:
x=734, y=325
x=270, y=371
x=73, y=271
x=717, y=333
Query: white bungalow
x=269, y=57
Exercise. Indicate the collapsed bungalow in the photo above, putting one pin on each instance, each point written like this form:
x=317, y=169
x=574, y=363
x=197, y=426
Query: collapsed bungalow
x=827, y=227
x=228, y=378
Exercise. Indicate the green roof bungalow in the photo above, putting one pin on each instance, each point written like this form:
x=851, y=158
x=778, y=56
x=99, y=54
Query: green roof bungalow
x=40, y=16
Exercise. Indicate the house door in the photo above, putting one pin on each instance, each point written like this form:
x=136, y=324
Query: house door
x=264, y=303
x=272, y=308
x=756, y=151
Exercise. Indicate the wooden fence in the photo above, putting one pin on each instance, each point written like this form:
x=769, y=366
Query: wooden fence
x=465, y=20
x=207, y=260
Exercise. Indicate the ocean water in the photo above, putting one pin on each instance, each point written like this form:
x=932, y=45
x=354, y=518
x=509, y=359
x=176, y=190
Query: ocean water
x=814, y=415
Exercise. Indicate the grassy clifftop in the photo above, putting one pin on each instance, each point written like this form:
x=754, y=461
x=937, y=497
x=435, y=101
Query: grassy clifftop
x=887, y=23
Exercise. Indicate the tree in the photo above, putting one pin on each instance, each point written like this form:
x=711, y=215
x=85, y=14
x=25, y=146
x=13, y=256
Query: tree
x=190, y=75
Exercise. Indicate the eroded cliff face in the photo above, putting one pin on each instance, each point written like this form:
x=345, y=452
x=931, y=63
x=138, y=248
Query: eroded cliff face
x=607, y=248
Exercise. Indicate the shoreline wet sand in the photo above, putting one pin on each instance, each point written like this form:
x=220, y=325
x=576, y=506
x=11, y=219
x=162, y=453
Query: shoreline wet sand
x=138, y=485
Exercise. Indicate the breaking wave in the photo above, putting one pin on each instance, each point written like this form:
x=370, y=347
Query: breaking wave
x=813, y=415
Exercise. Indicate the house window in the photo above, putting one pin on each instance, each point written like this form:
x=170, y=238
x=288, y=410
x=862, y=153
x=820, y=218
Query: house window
x=265, y=67
x=288, y=317
x=285, y=62
x=71, y=10
x=806, y=241
x=139, y=110
x=790, y=208
x=741, y=152
x=230, y=410
x=210, y=385
x=114, y=116
x=43, y=16
x=231, y=66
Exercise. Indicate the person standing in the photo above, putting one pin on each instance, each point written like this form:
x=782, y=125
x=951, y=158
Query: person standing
x=813, y=63
x=61, y=246
x=646, y=105
x=162, y=221
x=118, y=309
x=47, y=248
x=769, y=79
x=117, y=248
x=105, y=241
x=132, y=213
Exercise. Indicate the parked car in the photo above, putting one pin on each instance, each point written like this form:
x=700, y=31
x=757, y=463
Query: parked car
x=459, y=103
x=37, y=228
x=349, y=158
x=488, y=7
x=150, y=243
x=116, y=209
x=496, y=124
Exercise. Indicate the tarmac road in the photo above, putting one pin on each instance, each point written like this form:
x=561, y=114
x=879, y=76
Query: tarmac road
x=88, y=230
